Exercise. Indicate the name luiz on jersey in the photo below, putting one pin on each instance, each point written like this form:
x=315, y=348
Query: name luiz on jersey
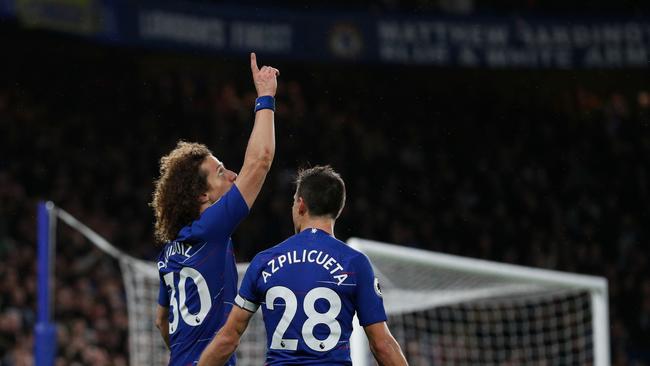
x=312, y=256
x=175, y=248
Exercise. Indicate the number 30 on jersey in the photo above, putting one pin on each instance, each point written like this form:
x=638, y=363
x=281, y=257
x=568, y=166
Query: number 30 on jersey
x=180, y=303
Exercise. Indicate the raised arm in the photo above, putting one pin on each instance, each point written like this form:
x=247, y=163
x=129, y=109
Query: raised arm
x=261, y=144
x=226, y=341
x=383, y=346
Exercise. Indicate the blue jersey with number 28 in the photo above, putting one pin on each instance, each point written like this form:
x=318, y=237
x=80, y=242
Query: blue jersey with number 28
x=309, y=288
x=198, y=278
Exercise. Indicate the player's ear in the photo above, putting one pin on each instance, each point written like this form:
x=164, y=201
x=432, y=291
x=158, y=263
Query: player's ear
x=203, y=198
x=302, y=206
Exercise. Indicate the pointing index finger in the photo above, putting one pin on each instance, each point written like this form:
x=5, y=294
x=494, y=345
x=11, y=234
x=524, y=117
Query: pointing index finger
x=254, y=67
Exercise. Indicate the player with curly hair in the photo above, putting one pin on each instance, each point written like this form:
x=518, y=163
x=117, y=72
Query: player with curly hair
x=197, y=205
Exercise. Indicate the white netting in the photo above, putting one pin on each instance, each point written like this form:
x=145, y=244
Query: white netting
x=146, y=345
x=446, y=310
x=443, y=310
x=141, y=284
x=550, y=330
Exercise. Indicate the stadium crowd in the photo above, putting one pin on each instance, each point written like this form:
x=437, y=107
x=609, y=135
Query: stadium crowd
x=520, y=167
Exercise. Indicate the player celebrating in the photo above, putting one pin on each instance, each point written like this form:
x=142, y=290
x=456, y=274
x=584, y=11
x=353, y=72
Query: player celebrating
x=309, y=287
x=197, y=204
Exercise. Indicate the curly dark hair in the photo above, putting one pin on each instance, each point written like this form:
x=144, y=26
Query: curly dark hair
x=175, y=198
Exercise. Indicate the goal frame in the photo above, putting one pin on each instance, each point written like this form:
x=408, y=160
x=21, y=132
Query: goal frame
x=596, y=286
x=45, y=328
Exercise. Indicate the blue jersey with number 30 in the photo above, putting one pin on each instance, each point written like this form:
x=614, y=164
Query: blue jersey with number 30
x=198, y=278
x=309, y=287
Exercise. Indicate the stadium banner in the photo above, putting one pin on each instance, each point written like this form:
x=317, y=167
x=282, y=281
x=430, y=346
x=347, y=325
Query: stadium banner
x=71, y=16
x=338, y=36
x=443, y=41
x=241, y=29
x=515, y=42
x=7, y=9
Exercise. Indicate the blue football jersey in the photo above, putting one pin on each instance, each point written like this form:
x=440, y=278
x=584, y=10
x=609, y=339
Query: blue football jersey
x=309, y=288
x=198, y=278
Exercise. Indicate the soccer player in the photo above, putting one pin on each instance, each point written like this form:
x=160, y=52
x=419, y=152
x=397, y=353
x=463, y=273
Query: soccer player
x=309, y=288
x=197, y=204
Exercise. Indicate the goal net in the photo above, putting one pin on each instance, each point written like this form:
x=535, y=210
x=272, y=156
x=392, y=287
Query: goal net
x=443, y=309
x=450, y=310
x=140, y=283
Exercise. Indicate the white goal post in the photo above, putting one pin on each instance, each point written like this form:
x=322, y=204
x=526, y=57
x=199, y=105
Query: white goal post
x=477, y=312
x=141, y=284
x=442, y=309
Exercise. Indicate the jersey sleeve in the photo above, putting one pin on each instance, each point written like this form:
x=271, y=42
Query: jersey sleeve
x=249, y=297
x=219, y=221
x=163, y=295
x=369, y=303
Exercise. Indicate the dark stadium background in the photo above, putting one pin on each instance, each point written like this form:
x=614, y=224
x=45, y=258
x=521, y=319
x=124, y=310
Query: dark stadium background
x=540, y=167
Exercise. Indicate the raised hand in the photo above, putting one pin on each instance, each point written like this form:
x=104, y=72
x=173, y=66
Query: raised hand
x=265, y=79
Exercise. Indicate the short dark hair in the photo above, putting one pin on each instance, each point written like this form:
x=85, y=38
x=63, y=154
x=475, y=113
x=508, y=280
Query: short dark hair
x=322, y=189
